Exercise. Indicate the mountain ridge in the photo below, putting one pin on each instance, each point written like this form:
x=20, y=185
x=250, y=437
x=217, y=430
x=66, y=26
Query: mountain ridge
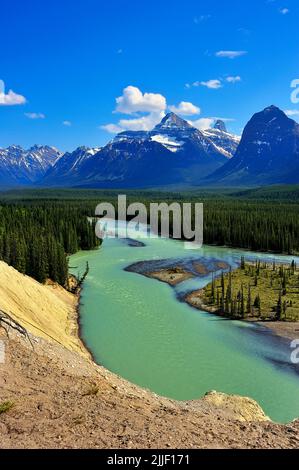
x=268, y=152
x=174, y=152
x=19, y=166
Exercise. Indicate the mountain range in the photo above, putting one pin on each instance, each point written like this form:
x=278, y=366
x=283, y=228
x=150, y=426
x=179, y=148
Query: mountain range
x=267, y=154
x=26, y=167
x=173, y=153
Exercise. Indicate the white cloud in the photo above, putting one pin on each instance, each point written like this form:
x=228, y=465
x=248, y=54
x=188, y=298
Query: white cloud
x=133, y=100
x=213, y=84
x=292, y=112
x=119, y=51
x=202, y=123
x=35, y=115
x=185, y=109
x=284, y=11
x=233, y=79
x=67, y=123
x=230, y=54
x=142, y=123
x=111, y=128
x=11, y=98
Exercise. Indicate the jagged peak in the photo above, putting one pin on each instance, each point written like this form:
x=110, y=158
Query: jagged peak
x=220, y=125
x=172, y=120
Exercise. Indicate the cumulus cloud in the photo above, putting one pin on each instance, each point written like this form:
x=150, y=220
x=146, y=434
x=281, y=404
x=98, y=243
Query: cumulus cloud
x=185, y=108
x=233, y=79
x=202, y=123
x=149, y=109
x=284, y=11
x=35, y=115
x=230, y=54
x=11, y=98
x=67, y=123
x=143, y=123
x=133, y=100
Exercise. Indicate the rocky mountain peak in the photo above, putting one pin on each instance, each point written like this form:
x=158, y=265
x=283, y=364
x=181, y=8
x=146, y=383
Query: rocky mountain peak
x=220, y=125
x=172, y=121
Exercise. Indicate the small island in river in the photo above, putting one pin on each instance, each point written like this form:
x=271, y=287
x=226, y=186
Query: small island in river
x=174, y=272
x=265, y=293
x=260, y=292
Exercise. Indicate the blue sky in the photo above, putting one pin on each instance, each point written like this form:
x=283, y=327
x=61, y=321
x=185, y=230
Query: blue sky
x=66, y=62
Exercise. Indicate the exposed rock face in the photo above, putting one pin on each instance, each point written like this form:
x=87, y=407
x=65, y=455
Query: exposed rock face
x=268, y=152
x=223, y=139
x=47, y=311
x=241, y=408
x=26, y=167
x=220, y=125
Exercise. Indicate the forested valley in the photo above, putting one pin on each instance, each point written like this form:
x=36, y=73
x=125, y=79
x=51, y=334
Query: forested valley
x=40, y=228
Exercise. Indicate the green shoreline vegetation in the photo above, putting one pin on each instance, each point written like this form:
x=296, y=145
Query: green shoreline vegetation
x=40, y=228
x=255, y=291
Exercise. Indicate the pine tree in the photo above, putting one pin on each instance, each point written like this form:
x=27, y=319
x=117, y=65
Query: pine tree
x=248, y=305
x=279, y=307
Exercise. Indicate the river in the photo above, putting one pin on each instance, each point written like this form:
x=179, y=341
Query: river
x=140, y=329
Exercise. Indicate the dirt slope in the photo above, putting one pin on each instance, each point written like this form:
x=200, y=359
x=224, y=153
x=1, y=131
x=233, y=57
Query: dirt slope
x=61, y=399
x=47, y=311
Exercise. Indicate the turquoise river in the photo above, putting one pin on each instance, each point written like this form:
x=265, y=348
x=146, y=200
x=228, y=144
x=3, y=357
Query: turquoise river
x=140, y=329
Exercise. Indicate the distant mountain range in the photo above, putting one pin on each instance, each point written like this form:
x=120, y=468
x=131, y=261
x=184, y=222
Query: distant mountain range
x=26, y=167
x=173, y=153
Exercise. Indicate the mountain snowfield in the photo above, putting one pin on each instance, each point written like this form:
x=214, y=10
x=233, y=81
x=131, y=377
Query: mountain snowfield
x=173, y=153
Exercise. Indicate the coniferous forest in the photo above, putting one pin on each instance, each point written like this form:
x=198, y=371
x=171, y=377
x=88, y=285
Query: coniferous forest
x=36, y=239
x=40, y=228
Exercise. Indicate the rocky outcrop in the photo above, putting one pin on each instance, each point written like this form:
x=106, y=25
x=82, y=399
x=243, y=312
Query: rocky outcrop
x=241, y=408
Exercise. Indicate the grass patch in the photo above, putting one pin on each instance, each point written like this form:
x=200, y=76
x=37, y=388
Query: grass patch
x=6, y=406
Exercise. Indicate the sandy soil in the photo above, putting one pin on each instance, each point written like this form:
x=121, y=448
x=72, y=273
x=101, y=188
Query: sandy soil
x=47, y=311
x=289, y=330
x=171, y=276
x=61, y=399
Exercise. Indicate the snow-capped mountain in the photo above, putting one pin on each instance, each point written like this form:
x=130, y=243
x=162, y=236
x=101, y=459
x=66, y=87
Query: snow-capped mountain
x=222, y=139
x=268, y=152
x=173, y=152
x=24, y=167
x=69, y=166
